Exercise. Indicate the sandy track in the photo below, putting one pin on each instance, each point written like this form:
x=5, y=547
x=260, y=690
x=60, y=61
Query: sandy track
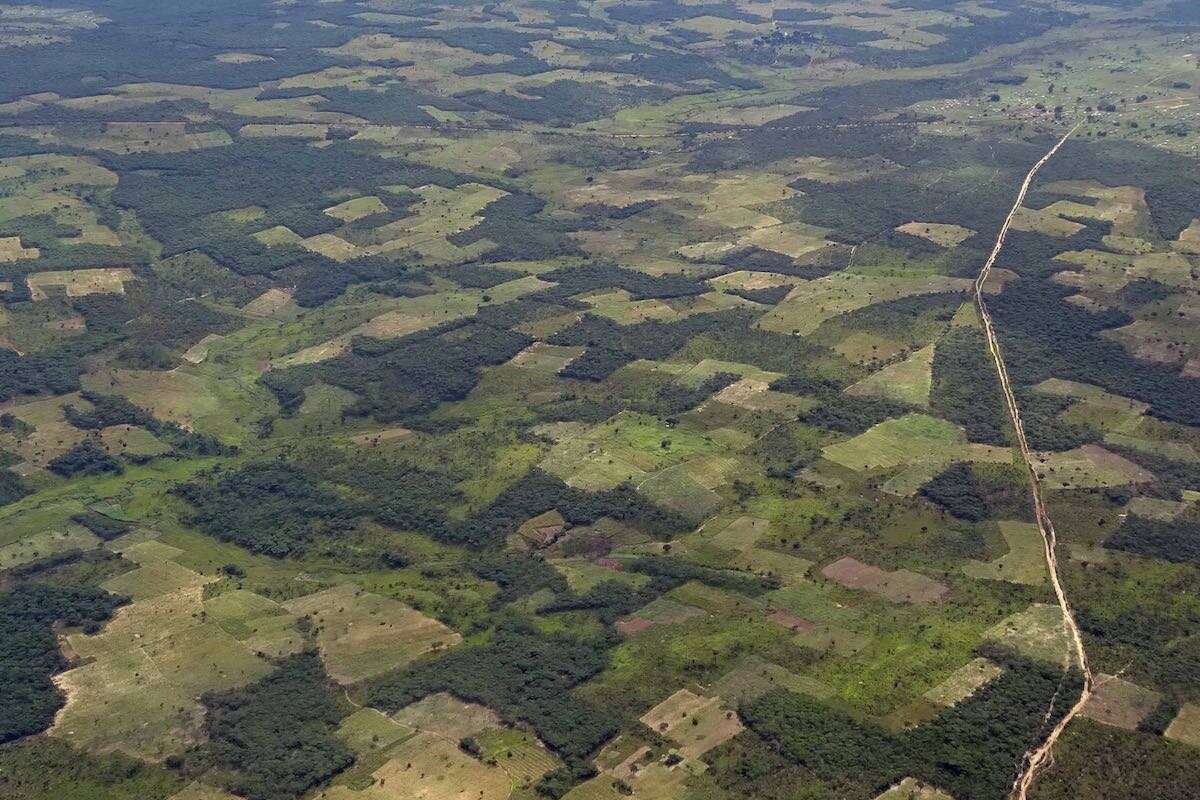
x=1039, y=756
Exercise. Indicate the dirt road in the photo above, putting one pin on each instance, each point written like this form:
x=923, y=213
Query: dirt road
x=1039, y=756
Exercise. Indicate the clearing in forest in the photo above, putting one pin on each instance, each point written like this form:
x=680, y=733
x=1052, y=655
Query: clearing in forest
x=361, y=634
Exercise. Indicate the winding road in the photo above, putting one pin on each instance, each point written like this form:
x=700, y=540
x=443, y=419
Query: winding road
x=1039, y=756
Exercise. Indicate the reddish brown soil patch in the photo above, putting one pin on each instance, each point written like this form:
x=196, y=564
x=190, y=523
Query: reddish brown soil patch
x=790, y=621
x=633, y=625
x=901, y=586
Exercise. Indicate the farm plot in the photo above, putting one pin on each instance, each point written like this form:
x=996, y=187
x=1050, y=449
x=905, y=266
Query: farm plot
x=1088, y=467
x=11, y=250
x=139, y=690
x=1185, y=727
x=629, y=446
x=1120, y=703
x=660, y=611
x=813, y=302
x=51, y=434
x=368, y=730
x=543, y=357
x=940, y=233
x=900, y=586
x=1025, y=561
x=754, y=677
x=409, y=315
x=79, y=282
x=907, y=381
x=1037, y=632
x=447, y=716
x=911, y=439
x=429, y=767
x=695, y=722
x=912, y=789
x=964, y=682
x=47, y=543
x=361, y=634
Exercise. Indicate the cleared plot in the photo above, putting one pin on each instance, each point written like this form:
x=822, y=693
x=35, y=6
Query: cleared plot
x=582, y=574
x=911, y=439
x=1153, y=508
x=541, y=530
x=361, y=634
x=202, y=658
x=79, y=282
x=441, y=213
x=11, y=250
x=198, y=352
x=1178, y=451
x=740, y=534
x=749, y=281
x=755, y=676
x=789, y=569
x=695, y=722
x=866, y=348
x=1025, y=561
x=619, y=306
x=271, y=303
x=912, y=789
x=792, y=239
x=813, y=602
x=739, y=217
x=964, y=682
x=940, y=233
x=908, y=381
x=139, y=692
x=1037, y=632
x=357, y=208
x=1051, y=220
x=755, y=395
x=49, y=543
x=201, y=791
x=626, y=447
x=900, y=586
x=813, y=302
x=156, y=578
x=447, y=716
x=332, y=246
x=130, y=440
x=428, y=767
x=368, y=730
x=236, y=612
x=1088, y=467
x=753, y=115
x=412, y=314
x=678, y=488
x=1124, y=206
x=1119, y=703
x=51, y=436
x=662, y=611
x=141, y=548
x=276, y=236
x=1186, y=726
x=179, y=396
x=275, y=636
x=1057, y=387
x=518, y=753
x=545, y=357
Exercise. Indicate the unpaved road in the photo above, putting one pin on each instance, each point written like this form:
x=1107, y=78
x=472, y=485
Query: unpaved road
x=1039, y=756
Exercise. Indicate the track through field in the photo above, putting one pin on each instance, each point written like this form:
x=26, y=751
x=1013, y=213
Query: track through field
x=1039, y=756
